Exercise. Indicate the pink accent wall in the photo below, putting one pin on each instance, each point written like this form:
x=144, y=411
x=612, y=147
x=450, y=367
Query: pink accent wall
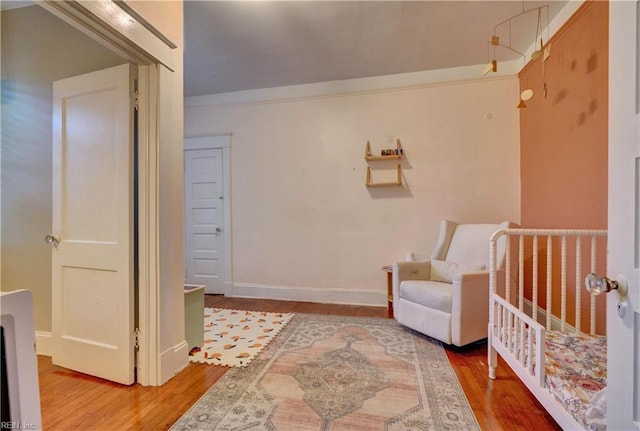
x=563, y=134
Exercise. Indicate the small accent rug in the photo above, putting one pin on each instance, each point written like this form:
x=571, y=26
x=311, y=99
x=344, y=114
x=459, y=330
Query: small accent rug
x=338, y=373
x=235, y=337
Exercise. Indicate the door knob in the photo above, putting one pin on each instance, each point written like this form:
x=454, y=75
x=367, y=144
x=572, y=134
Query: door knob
x=218, y=230
x=597, y=284
x=50, y=239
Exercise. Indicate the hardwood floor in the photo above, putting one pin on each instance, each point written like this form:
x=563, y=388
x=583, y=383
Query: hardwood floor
x=72, y=400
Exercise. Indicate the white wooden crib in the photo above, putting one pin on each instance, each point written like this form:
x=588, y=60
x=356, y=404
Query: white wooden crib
x=562, y=362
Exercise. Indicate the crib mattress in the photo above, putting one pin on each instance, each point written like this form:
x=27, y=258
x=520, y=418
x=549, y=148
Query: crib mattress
x=575, y=370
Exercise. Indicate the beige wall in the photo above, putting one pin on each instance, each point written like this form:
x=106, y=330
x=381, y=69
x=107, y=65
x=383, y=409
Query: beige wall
x=37, y=49
x=302, y=218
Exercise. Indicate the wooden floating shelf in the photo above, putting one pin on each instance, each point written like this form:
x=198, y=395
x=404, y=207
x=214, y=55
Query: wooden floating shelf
x=369, y=157
x=374, y=158
x=398, y=182
x=398, y=156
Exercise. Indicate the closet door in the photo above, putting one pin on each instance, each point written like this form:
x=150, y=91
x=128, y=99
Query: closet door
x=92, y=230
x=204, y=219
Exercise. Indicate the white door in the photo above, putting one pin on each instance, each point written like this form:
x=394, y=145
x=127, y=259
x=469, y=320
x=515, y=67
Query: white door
x=92, y=264
x=623, y=375
x=204, y=219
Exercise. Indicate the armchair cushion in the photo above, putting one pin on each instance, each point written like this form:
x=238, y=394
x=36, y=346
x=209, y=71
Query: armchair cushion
x=470, y=243
x=430, y=294
x=442, y=270
x=447, y=297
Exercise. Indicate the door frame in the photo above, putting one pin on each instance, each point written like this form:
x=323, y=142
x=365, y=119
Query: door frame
x=148, y=52
x=222, y=142
x=623, y=374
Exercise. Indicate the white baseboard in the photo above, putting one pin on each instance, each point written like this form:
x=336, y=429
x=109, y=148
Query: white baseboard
x=228, y=288
x=310, y=294
x=44, y=343
x=172, y=361
x=556, y=323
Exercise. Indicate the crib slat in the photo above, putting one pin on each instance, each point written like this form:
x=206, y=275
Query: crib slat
x=592, y=300
x=578, y=308
x=535, y=278
x=521, y=273
x=530, y=347
x=549, y=306
x=518, y=339
x=507, y=268
x=521, y=341
x=563, y=282
x=509, y=330
x=500, y=322
x=540, y=347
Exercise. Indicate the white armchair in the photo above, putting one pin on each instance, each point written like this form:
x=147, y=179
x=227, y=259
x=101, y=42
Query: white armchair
x=447, y=296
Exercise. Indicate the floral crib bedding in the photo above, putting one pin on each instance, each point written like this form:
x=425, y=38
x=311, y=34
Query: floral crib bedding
x=575, y=372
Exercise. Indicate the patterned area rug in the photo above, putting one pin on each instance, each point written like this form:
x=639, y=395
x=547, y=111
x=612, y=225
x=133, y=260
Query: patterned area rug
x=338, y=373
x=235, y=337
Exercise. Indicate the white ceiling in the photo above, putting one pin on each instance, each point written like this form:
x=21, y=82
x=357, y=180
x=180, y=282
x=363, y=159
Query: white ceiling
x=14, y=4
x=241, y=45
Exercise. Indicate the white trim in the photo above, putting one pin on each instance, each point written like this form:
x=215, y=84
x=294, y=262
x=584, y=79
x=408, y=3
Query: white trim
x=411, y=80
x=147, y=361
x=173, y=360
x=144, y=22
x=374, y=298
x=105, y=24
x=228, y=223
x=207, y=142
x=555, y=24
x=562, y=17
x=44, y=343
x=228, y=288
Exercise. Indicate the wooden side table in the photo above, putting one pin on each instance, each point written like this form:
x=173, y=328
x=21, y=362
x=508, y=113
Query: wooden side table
x=389, y=270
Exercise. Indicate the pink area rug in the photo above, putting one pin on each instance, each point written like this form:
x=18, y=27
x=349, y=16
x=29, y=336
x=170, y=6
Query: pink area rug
x=338, y=373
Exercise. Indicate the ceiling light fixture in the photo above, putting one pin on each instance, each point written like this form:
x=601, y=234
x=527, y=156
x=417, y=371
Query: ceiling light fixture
x=496, y=40
x=492, y=65
x=526, y=94
x=538, y=52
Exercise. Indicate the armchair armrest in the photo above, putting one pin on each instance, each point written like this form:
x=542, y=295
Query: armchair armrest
x=416, y=270
x=470, y=306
